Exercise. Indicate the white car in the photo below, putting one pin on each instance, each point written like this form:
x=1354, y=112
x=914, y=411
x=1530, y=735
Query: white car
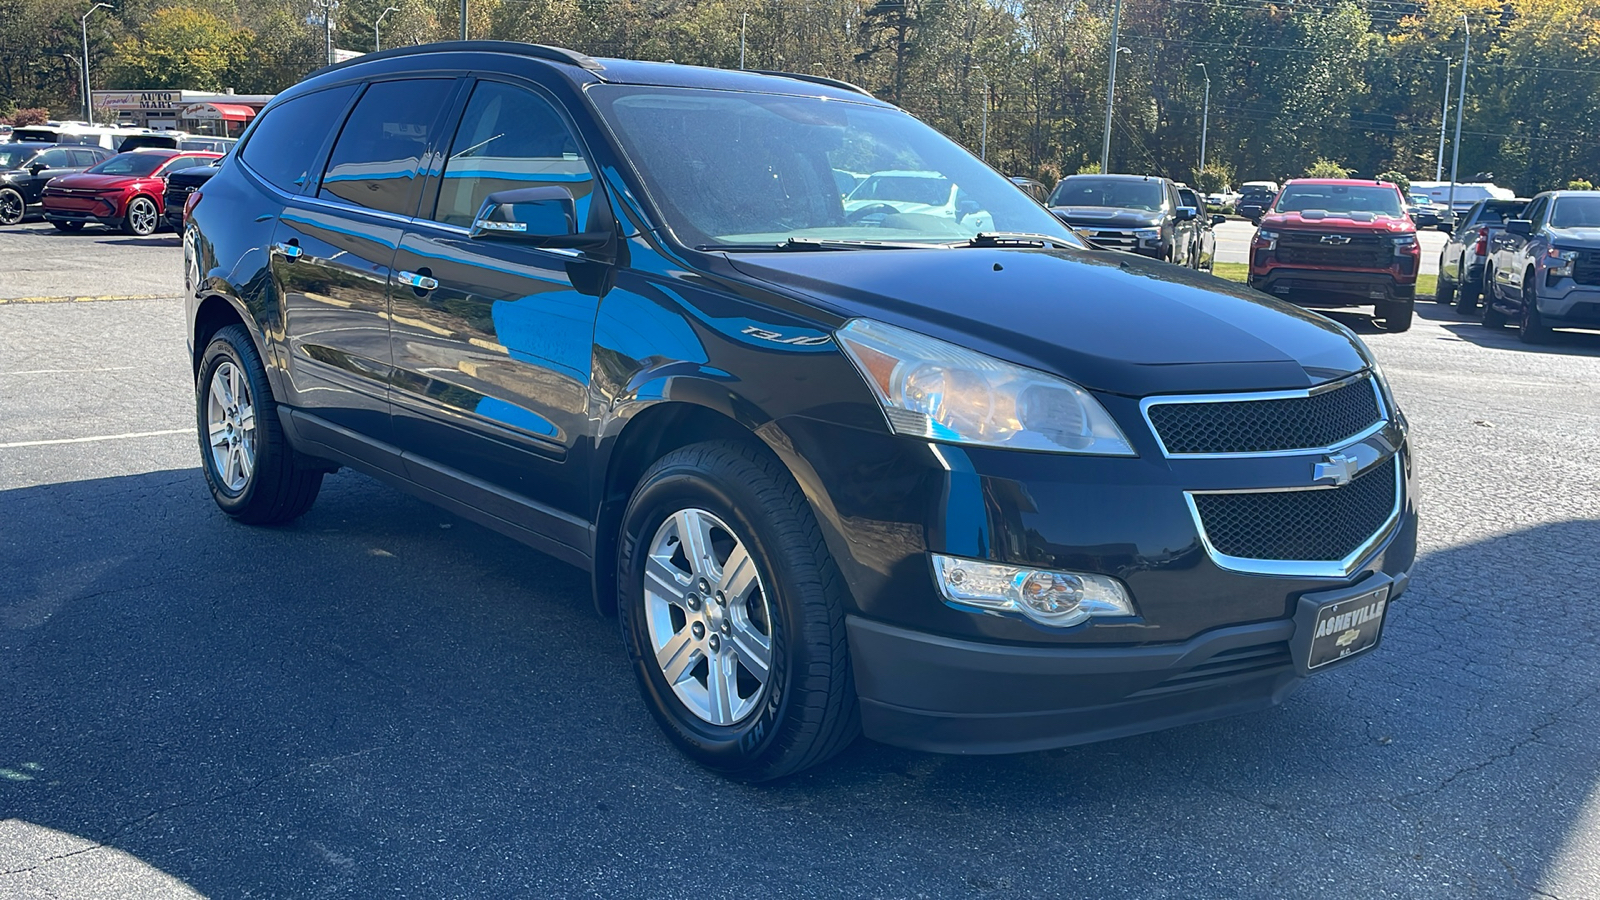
x=916, y=193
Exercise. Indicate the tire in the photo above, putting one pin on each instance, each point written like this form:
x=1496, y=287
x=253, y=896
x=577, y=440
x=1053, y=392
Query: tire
x=141, y=218
x=733, y=495
x=1491, y=318
x=1396, y=314
x=12, y=206
x=1531, y=328
x=253, y=473
x=68, y=226
x=1443, y=291
x=1468, y=296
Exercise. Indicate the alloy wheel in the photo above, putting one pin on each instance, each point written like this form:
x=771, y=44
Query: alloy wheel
x=708, y=617
x=142, y=216
x=11, y=207
x=231, y=427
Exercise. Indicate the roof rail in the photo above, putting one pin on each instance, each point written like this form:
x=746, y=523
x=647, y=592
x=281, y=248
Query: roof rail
x=517, y=48
x=815, y=79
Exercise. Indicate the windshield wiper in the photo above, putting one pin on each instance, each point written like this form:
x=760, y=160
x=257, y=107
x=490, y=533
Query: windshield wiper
x=804, y=244
x=1015, y=239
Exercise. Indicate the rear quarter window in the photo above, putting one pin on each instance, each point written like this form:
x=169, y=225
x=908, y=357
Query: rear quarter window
x=283, y=146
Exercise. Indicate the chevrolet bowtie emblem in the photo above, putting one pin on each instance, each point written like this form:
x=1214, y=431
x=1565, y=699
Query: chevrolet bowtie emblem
x=1347, y=638
x=1336, y=470
x=1335, y=239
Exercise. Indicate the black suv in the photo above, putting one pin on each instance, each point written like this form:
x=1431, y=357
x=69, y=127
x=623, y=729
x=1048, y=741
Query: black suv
x=1137, y=213
x=25, y=168
x=834, y=471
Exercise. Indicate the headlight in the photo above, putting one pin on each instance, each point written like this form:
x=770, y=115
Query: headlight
x=1266, y=240
x=1049, y=597
x=939, y=391
x=1405, y=243
x=1147, y=234
x=1559, y=262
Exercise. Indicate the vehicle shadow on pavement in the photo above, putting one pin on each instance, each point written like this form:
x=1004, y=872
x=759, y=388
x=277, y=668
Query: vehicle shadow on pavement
x=1468, y=328
x=385, y=699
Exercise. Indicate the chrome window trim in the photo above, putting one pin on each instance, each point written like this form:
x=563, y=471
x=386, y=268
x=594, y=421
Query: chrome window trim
x=1384, y=416
x=1340, y=568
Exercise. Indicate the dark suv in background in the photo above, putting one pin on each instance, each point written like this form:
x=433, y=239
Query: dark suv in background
x=1137, y=213
x=835, y=469
x=25, y=168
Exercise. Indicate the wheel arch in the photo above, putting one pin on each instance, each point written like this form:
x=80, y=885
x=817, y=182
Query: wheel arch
x=213, y=314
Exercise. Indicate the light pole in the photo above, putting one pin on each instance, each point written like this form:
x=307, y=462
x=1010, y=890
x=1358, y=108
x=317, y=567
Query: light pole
x=1461, y=105
x=327, y=7
x=463, y=19
x=1205, y=119
x=983, y=140
x=1444, y=120
x=376, y=43
x=1111, y=87
x=744, y=19
x=83, y=22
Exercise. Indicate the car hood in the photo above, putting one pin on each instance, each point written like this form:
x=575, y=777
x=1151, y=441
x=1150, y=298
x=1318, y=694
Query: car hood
x=1316, y=219
x=83, y=181
x=1566, y=236
x=1109, y=321
x=1106, y=217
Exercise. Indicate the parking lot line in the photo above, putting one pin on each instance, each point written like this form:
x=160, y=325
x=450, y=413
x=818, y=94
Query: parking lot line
x=99, y=437
x=5, y=300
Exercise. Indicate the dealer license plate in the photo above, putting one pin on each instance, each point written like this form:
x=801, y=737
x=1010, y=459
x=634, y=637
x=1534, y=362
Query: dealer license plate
x=1347, y=627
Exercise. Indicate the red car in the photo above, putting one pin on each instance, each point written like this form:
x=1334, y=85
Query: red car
x=1339, y=242
x=122, y=192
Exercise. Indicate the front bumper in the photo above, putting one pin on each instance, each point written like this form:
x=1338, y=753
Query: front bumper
x=1569, y=303
x=83, y=210
x=934, y=693
x=1337, y=285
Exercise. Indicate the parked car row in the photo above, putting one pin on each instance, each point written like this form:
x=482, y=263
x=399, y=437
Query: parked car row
x=117, y=139
x=1143, y=214
x=1532, y=262
x=73, y=186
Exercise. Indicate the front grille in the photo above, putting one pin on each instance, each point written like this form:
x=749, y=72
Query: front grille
x=1111, y=238
x=1229, y=665
x=1360, y=252
x=1327, y=524
x=1324, y=419
x=1586, y=268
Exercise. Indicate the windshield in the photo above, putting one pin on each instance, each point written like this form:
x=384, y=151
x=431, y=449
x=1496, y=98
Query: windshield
x=15, y=157
x=1576, y=212
x=130, y=164
x=1499, y=212
x=740, y=169
x=1340, y=198
x=1117, y=193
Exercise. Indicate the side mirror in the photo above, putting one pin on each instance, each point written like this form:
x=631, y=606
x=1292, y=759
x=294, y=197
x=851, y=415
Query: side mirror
x=544, y=217
x=1218, y=220
x=1446, y=227
x=36, y=168
x=1256, y=221
x=1519, y=226
x=1185, y=214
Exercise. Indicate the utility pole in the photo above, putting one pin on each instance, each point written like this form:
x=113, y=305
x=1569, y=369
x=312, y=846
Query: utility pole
x=983, y=140
x=1444, y=119
x=377, y=44
x=1111, y=87
x=463, y=19
x=83, y=21
x=327, y=7
x=743, y=21
x=1461, y=106
x=1205, y=119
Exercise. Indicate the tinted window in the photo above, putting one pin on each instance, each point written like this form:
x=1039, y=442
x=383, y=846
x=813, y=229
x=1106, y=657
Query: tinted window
x=131, y=164
x=1190, y=198
x=284, y=144
x=1092, y=190
x=15, y=157
x=1340, y=198
x=55, y=158
x=1536, y=211
x=1576, y=212
x=184, y=162
x=84, y=157
x=509, y=138
x=1499, y=212
x=374, y=162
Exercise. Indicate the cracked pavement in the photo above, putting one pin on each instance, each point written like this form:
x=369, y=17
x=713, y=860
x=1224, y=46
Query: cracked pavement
x=385, y=700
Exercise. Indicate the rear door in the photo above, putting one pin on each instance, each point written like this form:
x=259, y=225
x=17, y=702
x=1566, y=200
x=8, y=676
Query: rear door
x=492, y=341
x=332, y=249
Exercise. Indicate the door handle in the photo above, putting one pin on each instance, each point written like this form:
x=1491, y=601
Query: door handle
x=420, y=282
x=289, y=251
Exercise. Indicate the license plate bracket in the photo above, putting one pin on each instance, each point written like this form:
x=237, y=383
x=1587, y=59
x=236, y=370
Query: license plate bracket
x=1333, y=627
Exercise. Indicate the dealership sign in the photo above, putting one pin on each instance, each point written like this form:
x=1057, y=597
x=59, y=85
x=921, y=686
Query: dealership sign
x=162, y=100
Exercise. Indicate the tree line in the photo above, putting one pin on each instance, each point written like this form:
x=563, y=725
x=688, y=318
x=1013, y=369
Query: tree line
x=1358, y=84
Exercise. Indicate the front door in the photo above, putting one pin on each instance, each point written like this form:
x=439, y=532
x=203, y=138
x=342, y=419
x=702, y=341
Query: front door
x=492, y=342
x=333, y=248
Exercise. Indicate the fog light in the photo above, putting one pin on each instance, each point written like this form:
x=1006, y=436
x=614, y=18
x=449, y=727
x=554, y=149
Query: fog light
x=1046, y=596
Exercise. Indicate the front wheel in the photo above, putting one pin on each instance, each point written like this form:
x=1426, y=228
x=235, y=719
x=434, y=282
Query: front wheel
x=1396, y=314
x=142, y=218
x=253, y=473
x=733, y=613
x=1443, y=291
x=12, y=206
x=1530, y=326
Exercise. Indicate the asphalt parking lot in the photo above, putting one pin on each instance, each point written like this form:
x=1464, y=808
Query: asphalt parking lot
x=385, y=700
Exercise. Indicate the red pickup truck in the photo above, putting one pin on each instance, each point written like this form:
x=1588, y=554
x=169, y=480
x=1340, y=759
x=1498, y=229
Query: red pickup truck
x=1339, y=242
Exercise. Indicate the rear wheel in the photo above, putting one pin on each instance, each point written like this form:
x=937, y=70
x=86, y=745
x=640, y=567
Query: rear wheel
x=142, y=217
x=1444, y=290
x=1530, y=325
x=1467, y=298
x=733, y=613
x=1492, y=317
x=253, y=473
x=1396, y=314
x=12, y=206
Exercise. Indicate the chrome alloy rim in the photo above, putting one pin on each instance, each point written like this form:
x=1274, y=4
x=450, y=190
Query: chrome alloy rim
x=707, y=613
x=11, y=208
x=143, y=215
x=231, y=427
